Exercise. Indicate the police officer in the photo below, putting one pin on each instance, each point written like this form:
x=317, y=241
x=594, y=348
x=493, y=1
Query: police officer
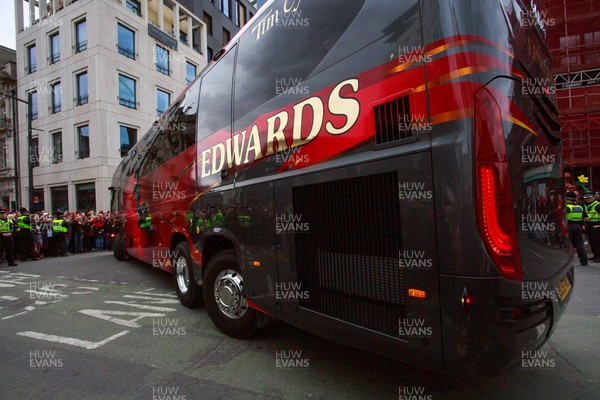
x=59, y=232
x=575, y=215
x=25, y=238
x=7, y=229
x=592, y=209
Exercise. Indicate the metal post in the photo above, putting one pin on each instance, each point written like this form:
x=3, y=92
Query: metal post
x=29, y=143
x=16, y=147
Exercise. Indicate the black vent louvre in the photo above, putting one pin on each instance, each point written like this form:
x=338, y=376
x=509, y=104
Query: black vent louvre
x=348, y=261
x=392, y=121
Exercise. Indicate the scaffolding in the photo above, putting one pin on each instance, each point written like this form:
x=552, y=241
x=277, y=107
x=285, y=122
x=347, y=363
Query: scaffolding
x=573, y=28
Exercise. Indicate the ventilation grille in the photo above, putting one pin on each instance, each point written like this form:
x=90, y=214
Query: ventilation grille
x=349, y=261
x=392, y=121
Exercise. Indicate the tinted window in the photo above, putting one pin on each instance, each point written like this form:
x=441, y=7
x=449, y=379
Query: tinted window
x=280, y=50
x=173, y=134
x=215, y=96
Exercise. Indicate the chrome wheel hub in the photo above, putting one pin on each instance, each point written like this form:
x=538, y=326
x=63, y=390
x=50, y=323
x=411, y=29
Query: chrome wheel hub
x=229, y=294
x=183, y=274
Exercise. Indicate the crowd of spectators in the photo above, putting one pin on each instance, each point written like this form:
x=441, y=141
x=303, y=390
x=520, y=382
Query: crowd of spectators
x=85, y=232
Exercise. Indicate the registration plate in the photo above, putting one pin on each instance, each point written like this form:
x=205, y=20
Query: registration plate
x=563, y=288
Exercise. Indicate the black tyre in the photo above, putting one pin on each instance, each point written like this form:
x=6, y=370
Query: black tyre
x=224, y=296
x=188, y=291
x=119, y=247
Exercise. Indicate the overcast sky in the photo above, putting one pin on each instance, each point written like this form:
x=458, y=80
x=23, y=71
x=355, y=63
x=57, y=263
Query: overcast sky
x=7, y=24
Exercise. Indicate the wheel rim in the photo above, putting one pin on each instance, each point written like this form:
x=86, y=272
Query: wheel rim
x=183, y=274
x=229, y=294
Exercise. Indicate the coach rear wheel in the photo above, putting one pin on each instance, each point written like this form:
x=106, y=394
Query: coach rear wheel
x=224, y=296
x=188, y=291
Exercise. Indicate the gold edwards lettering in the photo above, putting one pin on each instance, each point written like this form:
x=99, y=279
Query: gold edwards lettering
x=246, y=146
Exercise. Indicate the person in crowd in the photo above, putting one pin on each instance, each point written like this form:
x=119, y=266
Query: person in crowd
x=7, y=229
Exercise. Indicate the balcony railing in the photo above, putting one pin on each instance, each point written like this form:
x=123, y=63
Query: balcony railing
x=81, y=46
x=56, y=108
x=32, y=68
x=54, y=58
x=81, y=100
x=127, y=102
x=83, y=154
x=126, y=52
x=162, y=69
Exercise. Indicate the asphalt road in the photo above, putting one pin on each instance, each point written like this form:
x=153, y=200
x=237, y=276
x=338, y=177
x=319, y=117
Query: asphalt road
x=90, y=327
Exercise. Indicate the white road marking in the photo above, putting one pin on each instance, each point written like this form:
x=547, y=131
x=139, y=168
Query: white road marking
x=30, y=308
x=156, y=300
x=71, y=341
x=15, y=315
x=106, y=315
x=5, y=285
x=143, y=307
x=13, y=282
x=89, y=288
x=146, y=293
x=9, y=298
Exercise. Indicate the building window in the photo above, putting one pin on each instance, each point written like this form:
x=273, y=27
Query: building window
x=56, y=92
x=82, y=88
x=127, y=91
x=126, y=43
x=3, y=153
x=162, y=60
x=31, y=59
x=57, y=148
x=242, y=14
x=80, y=36
x=128, y=139
x=134, y=6
x=163, y=99
x=34, y=155
x=190, y=72
x=86, y=197
x=226, y=36
x=38, y=200
x=83, y=138
x=210, y=53
x=209, y=23
x=34, y=105
x=236, y=13
x=225, y=6
x=54, y=48
x=60, y=198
